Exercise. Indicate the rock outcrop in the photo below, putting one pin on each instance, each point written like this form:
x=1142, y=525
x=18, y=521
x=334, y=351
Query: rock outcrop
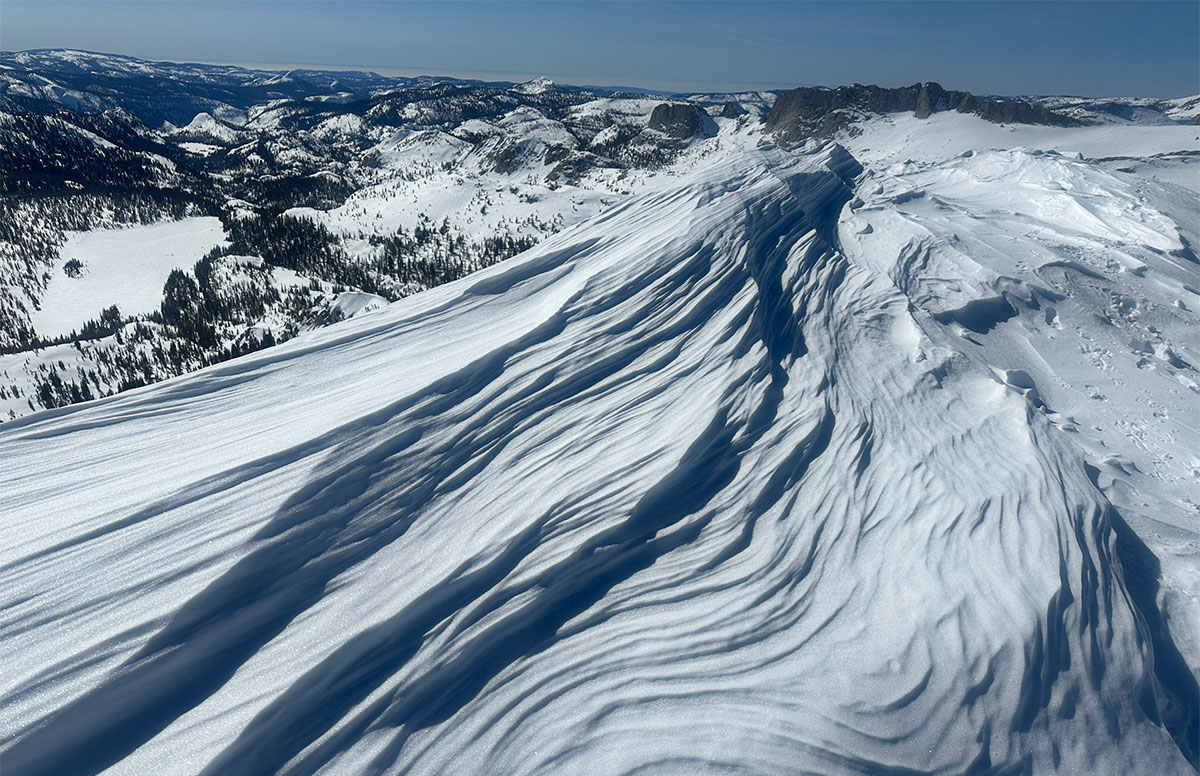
x=679, y=120
x=811, y=112
x=731, y=110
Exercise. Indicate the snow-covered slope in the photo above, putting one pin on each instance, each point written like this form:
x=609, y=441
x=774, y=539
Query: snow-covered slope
x=901, y=137
x=1076, y=283
x=686, y=488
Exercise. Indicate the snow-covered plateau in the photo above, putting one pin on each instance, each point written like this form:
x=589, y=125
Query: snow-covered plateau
x=866, y=455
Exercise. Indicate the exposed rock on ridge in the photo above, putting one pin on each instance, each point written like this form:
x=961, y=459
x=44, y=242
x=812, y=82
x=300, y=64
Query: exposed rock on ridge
x=731, y=110
x=811, y=112
x=679, y=120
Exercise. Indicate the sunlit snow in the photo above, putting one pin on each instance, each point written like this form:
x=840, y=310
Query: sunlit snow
x=875, y=455
x=125, y=267
x=686, y=487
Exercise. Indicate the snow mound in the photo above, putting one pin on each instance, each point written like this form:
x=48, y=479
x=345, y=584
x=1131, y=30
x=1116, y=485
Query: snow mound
x=352, y=303
x=898, y=138
x=684, y=487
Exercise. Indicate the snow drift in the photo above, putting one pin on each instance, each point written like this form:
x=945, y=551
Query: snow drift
x=686, y=488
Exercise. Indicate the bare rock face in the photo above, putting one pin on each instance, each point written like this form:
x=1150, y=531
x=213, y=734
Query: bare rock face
x=809, y=112
x=679, y=120
x=731, y=110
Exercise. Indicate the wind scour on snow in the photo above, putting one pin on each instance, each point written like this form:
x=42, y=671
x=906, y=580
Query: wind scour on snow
x=696, y=483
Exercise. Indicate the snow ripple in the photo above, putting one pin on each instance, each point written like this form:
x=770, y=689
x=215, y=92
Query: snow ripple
x=684, y=489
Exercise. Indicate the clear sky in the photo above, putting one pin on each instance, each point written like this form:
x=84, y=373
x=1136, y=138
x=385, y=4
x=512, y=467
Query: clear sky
x=1067, y=47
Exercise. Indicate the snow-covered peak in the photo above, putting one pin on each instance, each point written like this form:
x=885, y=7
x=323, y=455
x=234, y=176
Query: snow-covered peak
x=1184, y=108
x=204, y=124
x=536, y=85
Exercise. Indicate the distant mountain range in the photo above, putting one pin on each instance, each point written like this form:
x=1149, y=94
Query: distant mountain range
x=302, y=167
x=158, y=92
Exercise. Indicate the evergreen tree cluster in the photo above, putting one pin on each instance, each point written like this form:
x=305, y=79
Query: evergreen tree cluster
x=195, y=327
x=60, y=152
x=429, y=256
x=296, y=243
x=33, y=228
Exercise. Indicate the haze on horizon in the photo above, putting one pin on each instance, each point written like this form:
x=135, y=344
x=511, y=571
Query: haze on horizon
x=1085, y=48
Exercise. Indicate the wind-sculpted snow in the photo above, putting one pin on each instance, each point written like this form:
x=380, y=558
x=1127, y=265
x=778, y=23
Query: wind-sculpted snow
x=1076, y=287
x=684, y=489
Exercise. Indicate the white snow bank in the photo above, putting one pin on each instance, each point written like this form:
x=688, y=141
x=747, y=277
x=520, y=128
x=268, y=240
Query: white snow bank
x=352, y=303
x=1082, y=282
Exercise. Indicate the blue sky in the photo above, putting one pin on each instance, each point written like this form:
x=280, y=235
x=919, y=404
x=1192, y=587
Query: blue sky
x=1079, y=47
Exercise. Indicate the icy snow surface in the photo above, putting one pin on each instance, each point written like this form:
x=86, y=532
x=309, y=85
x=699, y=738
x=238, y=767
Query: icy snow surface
x=126, y=267
x=710, y=482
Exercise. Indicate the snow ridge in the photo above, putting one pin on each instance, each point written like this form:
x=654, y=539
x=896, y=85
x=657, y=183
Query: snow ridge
x=684, y=488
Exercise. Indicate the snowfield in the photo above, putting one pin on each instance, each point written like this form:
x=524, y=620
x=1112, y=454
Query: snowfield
x=126, y=267
x=901, y=137
x=817, y=461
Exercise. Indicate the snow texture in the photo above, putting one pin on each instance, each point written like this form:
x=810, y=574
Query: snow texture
x=710, y=482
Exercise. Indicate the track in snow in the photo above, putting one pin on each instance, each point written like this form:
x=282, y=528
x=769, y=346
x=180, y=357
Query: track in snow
x=682, y=489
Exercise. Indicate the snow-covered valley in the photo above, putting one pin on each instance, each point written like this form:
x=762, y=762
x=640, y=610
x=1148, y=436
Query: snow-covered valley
x=866, y=454
x=122, y=267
